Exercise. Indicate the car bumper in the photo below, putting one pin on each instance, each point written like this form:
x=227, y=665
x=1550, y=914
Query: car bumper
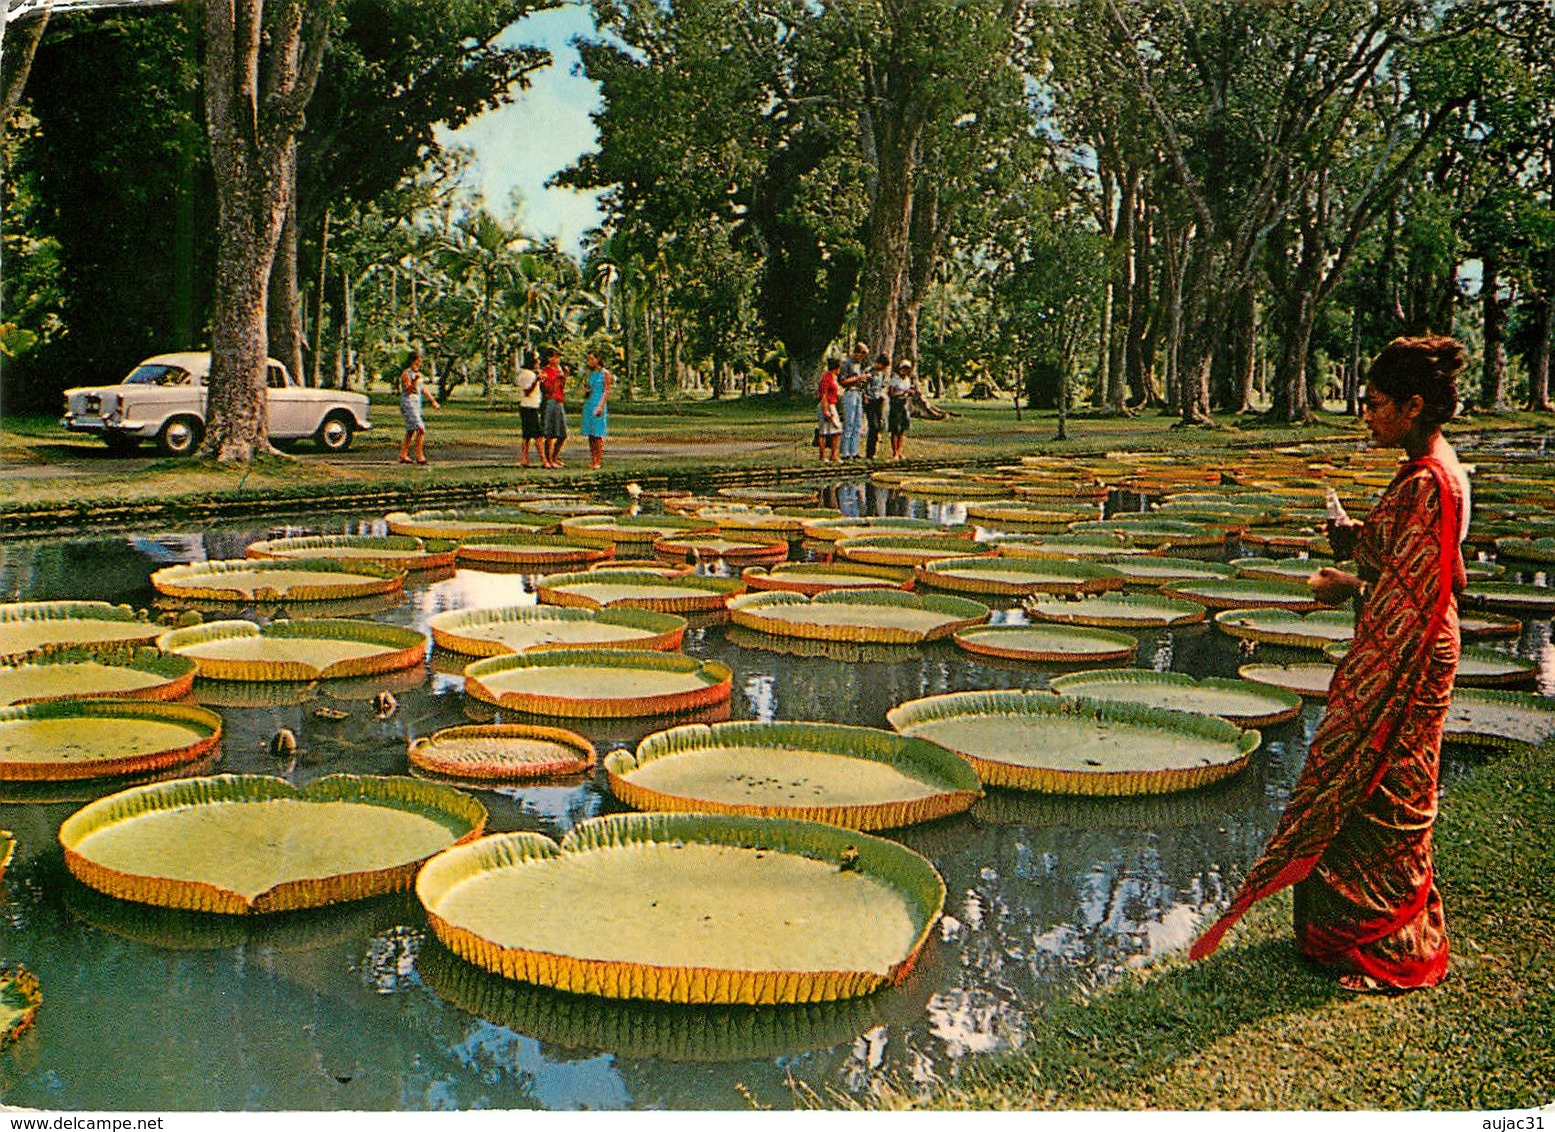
x=97, y=426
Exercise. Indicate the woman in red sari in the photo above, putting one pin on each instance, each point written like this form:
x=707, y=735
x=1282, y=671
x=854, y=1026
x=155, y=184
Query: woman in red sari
x=1355, y=838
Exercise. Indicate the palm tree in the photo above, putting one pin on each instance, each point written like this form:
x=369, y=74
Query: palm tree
x=480, y=251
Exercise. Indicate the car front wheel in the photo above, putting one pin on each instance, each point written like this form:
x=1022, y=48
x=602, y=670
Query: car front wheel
x=334, y=435
x=180, y=436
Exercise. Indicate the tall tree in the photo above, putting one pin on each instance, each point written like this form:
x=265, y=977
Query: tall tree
x=262, y=61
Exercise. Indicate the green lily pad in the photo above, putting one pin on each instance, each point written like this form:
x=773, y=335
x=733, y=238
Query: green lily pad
x=293, y=579
x=28, y=627
x=850, y=776
x=1477, y=667
x=865, y=616
x=1310, y=680
x=1153, y=571
x=249, y=843
x=460, y=525
x=635, y=530
x=1119, y=611
x=531, y=550
x=392, y=552
x=1477, y=626
x=1056, y=644
x=1246, y=593
x=311, y=649
x=637, y=589
x=834, y=530
x=130, y=672
x=786, y=496
x=894, y=550
x=1500, y=719
x=1074, y=745
x=1285, y=627
x=818, y=577
x=1107, y=547
x=688, y=908
x=501, y=752
x=519, y=628
x=1278, y=569
x=1509, y=595
x=713, y=547
x=1015, y=577
x=1158, y=533
x=602, y=683
x=1027, y=515
x=62, y=740
x=1536, y=550
x=1239, y=701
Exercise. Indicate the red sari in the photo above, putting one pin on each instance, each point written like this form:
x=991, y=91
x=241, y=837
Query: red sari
x=1355, y=838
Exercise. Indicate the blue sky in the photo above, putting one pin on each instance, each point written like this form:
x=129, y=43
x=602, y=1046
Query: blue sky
x=520, y=146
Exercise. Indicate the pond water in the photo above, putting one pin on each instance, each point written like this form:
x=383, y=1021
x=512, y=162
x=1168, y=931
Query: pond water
x=357, y=1007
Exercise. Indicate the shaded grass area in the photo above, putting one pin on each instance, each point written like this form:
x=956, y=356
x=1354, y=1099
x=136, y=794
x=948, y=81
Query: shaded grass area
x=1253, y=1027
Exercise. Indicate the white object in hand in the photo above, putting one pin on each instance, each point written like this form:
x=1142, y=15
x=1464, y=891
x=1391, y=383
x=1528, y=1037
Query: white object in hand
x=1336, y=511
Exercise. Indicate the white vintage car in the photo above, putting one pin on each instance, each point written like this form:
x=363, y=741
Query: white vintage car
x=163, y=399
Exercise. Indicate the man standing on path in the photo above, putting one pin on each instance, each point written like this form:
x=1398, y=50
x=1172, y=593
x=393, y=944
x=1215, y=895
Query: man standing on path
x=851, y=381
x=874, y=403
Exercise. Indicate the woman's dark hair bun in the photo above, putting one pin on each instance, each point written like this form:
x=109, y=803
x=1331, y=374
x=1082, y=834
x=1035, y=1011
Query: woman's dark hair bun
x=1429, y=366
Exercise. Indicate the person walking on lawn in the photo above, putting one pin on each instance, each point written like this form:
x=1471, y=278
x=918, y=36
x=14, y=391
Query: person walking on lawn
x=413, y=387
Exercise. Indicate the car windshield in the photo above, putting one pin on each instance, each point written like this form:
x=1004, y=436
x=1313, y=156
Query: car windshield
x=157, y=374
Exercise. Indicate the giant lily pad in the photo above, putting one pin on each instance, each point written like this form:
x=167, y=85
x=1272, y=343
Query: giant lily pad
x=502, y=752
x=531, y=550
x=66, y=740
x=1155, y=572
x=1473, y=626
x=784, y=496
x=249, y=843
x=1025, y=515
x=1243, y=703
x=392, y=552
x=819, y=577
x=1539, y=600
x=20, y=997
x=688, y=908
x=1158, y=533
x=300, y=579
x=949, y=487
x=1500, y=719
x=1309, y=679
x=851, y=776
x=519, y=628
x=313, y=649
x=1107, y=546
x=30, y=626
x=873, y=616
x=894, y=550
x=567, y=508
x=1074, y=745
x=840, y=652
x=460, y=525
x=1246, y=593
x=1278, y=569
x=605, y=683
x=1119, y=611
x=637, y=589
x=131, y=673
x=633, y=530
x=1284, y=627
x=835, y=530
x=741, y=519
x=712, y=547
x=1017, y=577
x=1537, y=550
x=1055, y=644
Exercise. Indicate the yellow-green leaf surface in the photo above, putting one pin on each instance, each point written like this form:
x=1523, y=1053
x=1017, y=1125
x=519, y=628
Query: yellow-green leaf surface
x=249, y=843
x=305, y=579
x=1068, y=547
x=1245, y=593
x=74, y=739
x=688, y=908
x=1509, y=595
x=1285, y=627
x=695, y=548
x=881, y=617
x=598, y=589
x=463, y=524
x=604, y=683
x=1153, y=571
x=1071, y=744
x=518, y=628
x=1012, y=576
x=28, y=626
x=394, y=552
x=1119, y=611
x=851, y=776
x=1310, y=680
x=531, y=550
x=892, y=550
x=1060, y=644
x=818, y=577
x=296, y=650
x=502, y=752
x=1501, y=719
x=135, y=674
x=833, y=530
x=1240, y=701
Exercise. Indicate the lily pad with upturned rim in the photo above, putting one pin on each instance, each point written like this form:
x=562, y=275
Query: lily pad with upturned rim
x=634, y=530
x=1475, y=626
x=1013, y=577
x=688, y=908
x=1068, y=547
x=1284, y=627
x=1075, y=745
x=68, y=740
x=772, y=495
x=1278, y=569
x=718, y=546
x=1537, y=550
x=278, y=579
x=885, y=617
x=520, y=628
x=1119, y=611
x=857, y=777
x=460, y=525
x=28, y=627
x=637, y=589
x=1539, y=600
x=892, y=550
x=1477, y=667
x=1154, y=571
x=531, y=550
x=128, y=673
x=604, y=683
x=1238, y=701
x=1246, y=593
x=496, y=753
x=1050, y=643
x=250, y=843
x=392, y=552
x=1161, y=534
x=1512, y=720
x=835, y=530
x=819, y=577
x=1310, y=680
x=312, y=649
x=1025, y=515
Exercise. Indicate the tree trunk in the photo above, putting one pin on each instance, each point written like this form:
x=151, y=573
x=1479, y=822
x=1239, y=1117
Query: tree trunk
x=285, y=314
x=883, y=280
x=1492, y=383
x=318, y=315
x=16, y=60
x=1539, y=371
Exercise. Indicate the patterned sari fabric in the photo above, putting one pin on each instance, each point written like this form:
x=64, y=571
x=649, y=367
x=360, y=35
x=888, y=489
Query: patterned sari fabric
x=1355, y=838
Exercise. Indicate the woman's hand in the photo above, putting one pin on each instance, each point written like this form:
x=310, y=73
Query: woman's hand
x=1342, y=536
x=1333, y=587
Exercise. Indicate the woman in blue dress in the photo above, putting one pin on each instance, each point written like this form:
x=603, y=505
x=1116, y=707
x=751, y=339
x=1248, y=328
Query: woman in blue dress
x=596, y=411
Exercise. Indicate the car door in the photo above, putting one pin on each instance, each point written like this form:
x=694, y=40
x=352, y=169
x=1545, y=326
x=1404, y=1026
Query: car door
x=291, y=410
